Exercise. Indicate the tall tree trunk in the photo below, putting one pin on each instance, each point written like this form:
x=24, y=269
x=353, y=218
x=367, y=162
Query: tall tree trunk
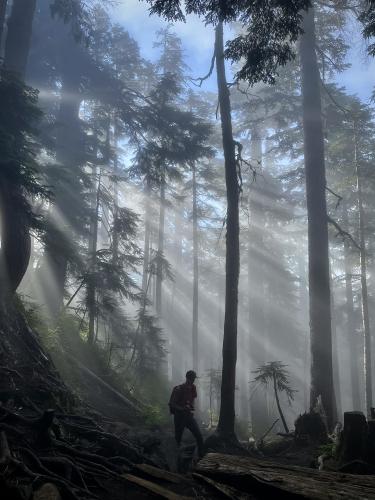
x=146, y=248
x=195, y=271
x=336, y=360
x=67, y=147
x=303, y=305
x=319, y=278
x=17, y=45
x=3, y=8
x=178, y=339
x=115, y=241
x=256, y=296
x=15, y=230
x=367, y=363
x=159, y=273
x=93, y=246
x=350, y=325
x=228, y=385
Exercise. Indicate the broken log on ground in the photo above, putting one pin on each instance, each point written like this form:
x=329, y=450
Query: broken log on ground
x=264, y=479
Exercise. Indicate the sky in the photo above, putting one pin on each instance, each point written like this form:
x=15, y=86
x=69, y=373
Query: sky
x=197, y=40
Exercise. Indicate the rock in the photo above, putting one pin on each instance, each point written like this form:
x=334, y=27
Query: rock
x=47, y=492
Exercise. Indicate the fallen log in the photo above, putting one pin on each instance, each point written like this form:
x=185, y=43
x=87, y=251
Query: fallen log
x=159, y=474
x=154, y=488
x=222, y=489
x=104, y=385
x=267, y=479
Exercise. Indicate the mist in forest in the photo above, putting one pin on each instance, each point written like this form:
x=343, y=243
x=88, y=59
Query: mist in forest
x=181, y=190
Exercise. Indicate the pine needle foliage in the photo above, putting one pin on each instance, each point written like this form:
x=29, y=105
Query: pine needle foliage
x=266, y=374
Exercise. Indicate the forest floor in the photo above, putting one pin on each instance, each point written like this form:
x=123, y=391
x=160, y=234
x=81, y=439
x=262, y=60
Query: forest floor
x=53, y=446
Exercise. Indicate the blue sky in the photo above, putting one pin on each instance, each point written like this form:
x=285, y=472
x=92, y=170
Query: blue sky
x=198, y=41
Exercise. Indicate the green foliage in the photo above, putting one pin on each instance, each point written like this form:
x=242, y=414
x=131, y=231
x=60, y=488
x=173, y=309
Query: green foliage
x=270, y=29
x=367, y=17
x=19, y=145
x=328, y=449
x=155, y=415
x=275, y=370
x=76, y=12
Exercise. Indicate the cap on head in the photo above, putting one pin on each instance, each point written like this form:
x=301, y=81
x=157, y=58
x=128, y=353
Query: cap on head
x=191, y=375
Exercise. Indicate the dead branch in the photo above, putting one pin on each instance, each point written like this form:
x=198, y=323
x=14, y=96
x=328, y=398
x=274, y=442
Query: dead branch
x=202, y=79
x=341, y=232
x=339, y=198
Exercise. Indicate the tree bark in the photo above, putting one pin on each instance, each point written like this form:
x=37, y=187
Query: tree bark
x=367, y=363
x=146, y=248
x=353, y=346
x=278, y=405
x=17, y=45
x=3, y=8
x=319, y=277
x=159, y=277
x=67, y=147
x=93, y=246
x=228, y=385
x=335, y=359
x=256, y=295
x=195, y=271
x=15, y=224
x=115, y=242
x=303, y=304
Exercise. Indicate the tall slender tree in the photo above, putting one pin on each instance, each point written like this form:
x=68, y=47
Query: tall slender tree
x=363, y=267
x=264, y=52
x=319, y=275
x=232, y=266
x=350, y=322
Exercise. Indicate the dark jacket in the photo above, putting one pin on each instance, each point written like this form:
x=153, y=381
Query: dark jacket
x=182, y=398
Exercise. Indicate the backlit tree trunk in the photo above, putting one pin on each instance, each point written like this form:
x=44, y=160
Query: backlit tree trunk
x=159, y=277
x=146, y=248
x=256, y=295
x=350, y=324
x=367, y=363
x=15, y=230
x=319, y=278
x=336, y=359
x=67, y=147
x=195, y=272
x=228, y=384
x=93, y=246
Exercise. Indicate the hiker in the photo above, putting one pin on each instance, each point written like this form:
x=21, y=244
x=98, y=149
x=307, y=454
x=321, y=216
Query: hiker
x=181, y=405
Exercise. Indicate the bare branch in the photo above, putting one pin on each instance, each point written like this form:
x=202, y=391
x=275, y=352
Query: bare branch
x=202, y=79
x=339, y=198
x=342, y=233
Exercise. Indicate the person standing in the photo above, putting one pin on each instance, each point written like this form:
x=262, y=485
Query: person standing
x=181, y=405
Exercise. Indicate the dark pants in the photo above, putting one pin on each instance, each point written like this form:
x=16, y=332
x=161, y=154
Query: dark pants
x=186, y=420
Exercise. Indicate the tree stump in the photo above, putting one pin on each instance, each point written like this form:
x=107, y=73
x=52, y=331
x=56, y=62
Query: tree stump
x=310, y=428
x=371, y=442
x=353, y=439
